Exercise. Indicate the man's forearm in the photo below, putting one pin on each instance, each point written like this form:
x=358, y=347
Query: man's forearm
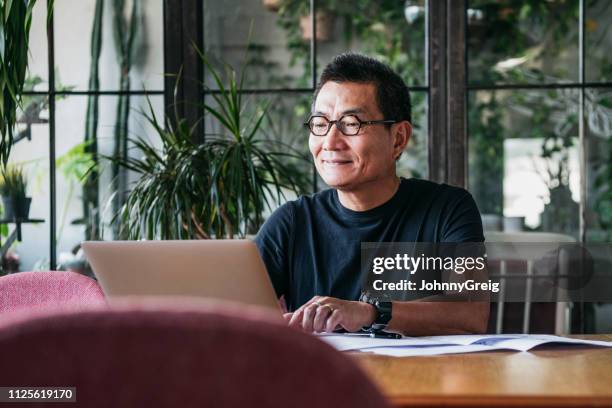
x=418, y=318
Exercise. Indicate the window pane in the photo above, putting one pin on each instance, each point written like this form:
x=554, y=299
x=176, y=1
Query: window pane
x=522, y=42
x=73, y=161
x=599, y=165
x=393, y=32
x=275, y=54
x=74, y=26
x=524, y=159
x=598, y=40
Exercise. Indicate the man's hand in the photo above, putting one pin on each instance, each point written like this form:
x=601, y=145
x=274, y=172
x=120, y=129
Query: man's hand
x=326, y=314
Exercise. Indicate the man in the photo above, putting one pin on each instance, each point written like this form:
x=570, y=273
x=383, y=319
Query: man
x=360, y=124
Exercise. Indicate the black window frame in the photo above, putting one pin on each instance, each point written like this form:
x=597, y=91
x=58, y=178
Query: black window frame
x=52, y=94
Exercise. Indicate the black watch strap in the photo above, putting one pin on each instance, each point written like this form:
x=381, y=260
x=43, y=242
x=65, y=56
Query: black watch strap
x=384, y=311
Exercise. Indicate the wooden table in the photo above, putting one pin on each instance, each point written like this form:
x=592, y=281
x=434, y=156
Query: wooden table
x=555, y=377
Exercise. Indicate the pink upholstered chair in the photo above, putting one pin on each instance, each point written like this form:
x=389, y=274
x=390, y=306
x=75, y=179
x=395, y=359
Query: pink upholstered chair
x=175, y=357
x=42, y=289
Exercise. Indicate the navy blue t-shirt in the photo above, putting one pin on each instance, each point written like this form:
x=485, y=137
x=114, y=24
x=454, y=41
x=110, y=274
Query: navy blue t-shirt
x=311, y=246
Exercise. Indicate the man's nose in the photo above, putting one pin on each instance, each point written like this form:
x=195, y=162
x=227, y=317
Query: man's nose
x=334, y=140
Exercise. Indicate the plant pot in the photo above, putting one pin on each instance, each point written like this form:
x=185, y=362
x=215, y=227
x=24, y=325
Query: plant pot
x=16, y=207
x=272, y=5
x=325, y=26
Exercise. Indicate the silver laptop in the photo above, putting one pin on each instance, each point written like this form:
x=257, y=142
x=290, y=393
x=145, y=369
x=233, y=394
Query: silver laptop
x=218, y=269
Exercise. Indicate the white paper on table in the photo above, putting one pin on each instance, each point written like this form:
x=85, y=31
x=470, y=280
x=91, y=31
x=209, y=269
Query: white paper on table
x=526, y=343
x=427, y=351
x=433, y=345
x=518, y=342
x=352, y=341
x=467, y=339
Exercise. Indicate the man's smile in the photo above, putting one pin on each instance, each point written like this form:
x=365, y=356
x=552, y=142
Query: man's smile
x=336, y=162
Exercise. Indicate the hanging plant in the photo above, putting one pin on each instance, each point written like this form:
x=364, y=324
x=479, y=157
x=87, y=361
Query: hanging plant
x=15, y=22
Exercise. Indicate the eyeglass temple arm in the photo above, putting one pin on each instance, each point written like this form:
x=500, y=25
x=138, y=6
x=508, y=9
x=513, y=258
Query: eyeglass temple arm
x=375, y=122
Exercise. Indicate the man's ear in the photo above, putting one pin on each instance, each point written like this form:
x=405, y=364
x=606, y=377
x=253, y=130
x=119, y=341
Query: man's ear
x=401, y=135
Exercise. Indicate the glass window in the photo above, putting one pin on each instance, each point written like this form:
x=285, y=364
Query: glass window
x=598, y=41
x=599, y=165
x=75, y=122
x=262, y=27
x=143, y=55
x=524, y=159
x=522, y=42
x=393, y=32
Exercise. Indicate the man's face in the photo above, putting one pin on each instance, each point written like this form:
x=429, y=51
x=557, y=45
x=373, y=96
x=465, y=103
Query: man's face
x=346, y=162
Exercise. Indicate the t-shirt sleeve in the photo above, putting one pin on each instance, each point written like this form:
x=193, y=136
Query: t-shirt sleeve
x=463, y=222
x=273, y=241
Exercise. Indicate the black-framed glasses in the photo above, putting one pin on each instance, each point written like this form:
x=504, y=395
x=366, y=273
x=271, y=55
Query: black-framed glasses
x=349, y=125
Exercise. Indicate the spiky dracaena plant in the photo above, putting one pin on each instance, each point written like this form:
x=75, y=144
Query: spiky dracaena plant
x=219, y=188
x=247, y=172
x=13, y=182
x=166, y=202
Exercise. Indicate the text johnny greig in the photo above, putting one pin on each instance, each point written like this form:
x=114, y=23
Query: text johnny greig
x=413, y=264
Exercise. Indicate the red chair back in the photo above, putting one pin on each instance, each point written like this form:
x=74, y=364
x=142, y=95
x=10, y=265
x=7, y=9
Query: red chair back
x=126, y=357
x=42, y=289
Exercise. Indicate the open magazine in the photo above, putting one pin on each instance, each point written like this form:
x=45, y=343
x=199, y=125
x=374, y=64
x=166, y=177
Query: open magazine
x=434, y=345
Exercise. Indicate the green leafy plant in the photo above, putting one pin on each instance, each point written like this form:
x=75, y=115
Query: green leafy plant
x=15, y=22
x=76, y=165
x=219, y=188
x=13, y=182
x=168, y=200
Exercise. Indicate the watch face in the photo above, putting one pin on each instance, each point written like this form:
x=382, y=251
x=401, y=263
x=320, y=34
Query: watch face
x=373, y=298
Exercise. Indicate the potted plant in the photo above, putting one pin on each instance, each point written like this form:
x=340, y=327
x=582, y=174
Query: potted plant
x=272, y=5
x=167, y=200
x=13, y=186
x=292, y=10
x=325, y=20
x=219, y=188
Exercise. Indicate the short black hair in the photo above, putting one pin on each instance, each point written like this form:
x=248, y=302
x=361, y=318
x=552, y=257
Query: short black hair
x=392, y=93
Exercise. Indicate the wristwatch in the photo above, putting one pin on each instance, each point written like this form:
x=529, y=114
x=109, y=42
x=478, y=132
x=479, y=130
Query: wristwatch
x=383, y=315
x=384, y=312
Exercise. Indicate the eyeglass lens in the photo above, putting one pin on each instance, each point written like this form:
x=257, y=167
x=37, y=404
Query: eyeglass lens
x=349, y=125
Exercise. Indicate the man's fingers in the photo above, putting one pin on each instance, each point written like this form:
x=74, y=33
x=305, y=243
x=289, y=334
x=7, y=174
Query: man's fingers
x=320, y=318
x=308, y=317
x=296, y=319
x=287, y=316
x=282, y=303
x=333, y=321
x=305, y=305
